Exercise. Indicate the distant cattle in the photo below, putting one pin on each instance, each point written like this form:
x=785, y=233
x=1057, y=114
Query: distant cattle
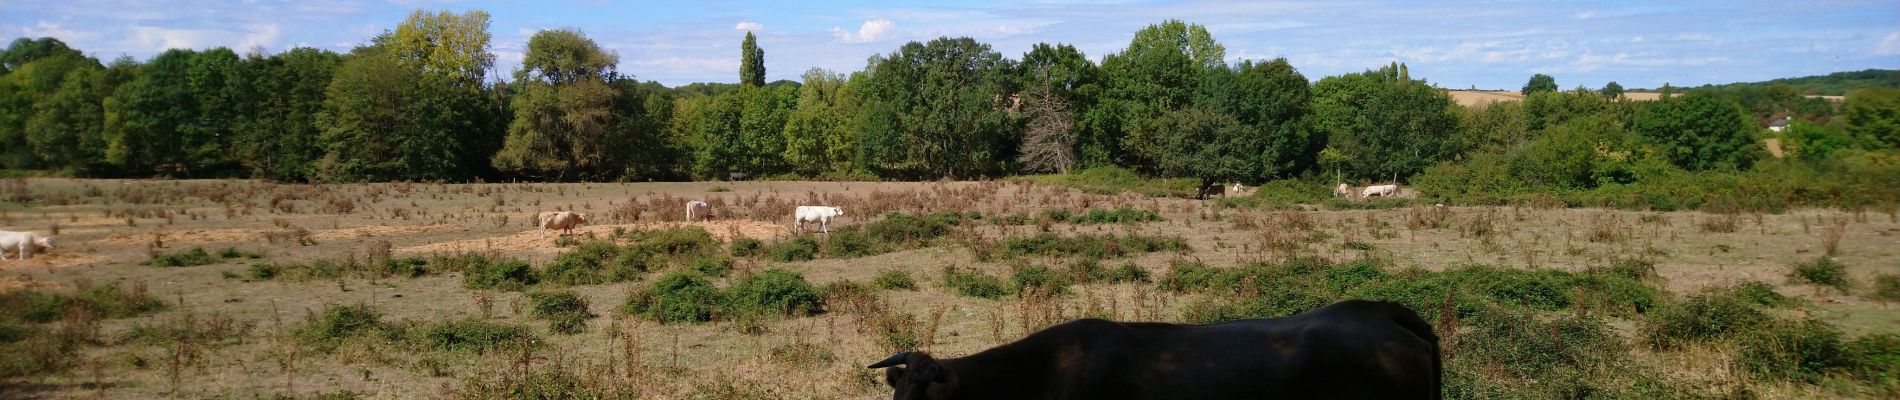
x=820, y=214
x=23, y=243
x=737, y=176
x=563, y=220
x=1211, y=191
x=1380, y=190
x=1349, y=350
x=1344, y=190
x=697, y=210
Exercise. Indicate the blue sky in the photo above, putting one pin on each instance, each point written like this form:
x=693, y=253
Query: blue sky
x=1455, y=44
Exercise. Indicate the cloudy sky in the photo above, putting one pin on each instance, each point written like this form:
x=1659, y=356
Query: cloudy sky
x=1455, y=44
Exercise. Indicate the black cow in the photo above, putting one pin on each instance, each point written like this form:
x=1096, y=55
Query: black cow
x=1347, y=350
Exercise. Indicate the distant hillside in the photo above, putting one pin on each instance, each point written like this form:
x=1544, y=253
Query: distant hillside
x=1835, y=84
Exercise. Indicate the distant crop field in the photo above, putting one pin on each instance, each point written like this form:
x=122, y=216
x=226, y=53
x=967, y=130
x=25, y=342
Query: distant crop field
x=242, y=289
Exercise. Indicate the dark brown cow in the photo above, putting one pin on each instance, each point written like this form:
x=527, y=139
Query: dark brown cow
x=1348, y=350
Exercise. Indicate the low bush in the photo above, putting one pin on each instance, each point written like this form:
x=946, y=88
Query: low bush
x=1761, y=294
x=1887, y=287
x=566, y=311
x=802, y=248
x=1822, y=271
x=1129, y=272
x=1876, y=360
x=234, y=252
x=1087, y=245
x=1115, y=180
x=894, y=279
x=674, y=298
x=1702, y=317
x=104, y=300
x=338, y=322
x=1026, y=278
x=1115, y=216
x=973, y=283
x=586, y=264
x=472, y=335
x=1792, y=350
x=1529, y=347
x=711, y=266
x=503, y=274
x=773, y=292
x=192, y=257
x=746, y=247
x=684, y=241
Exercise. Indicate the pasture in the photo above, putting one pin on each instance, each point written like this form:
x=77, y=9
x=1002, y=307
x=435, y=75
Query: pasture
x=240, y=289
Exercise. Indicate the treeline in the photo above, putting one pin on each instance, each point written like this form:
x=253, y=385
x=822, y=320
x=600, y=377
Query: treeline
x=1834, y=84
x=421, y=102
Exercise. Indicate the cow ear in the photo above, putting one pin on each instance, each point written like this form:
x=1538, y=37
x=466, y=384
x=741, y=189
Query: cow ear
x=892, y=375
x=931, y=373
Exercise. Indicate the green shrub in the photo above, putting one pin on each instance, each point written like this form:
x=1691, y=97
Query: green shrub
x=188, y=258
x=410, y=267
x=1115, y=180
x=338, y=322
x=1087, y=270
x=265, y=271
x=473, y=335
x=1343, y=278
x=1792, y=350
x=105, y=300
x=895, y=279
x=503, y=274
x=1115, y=216
x=802, y=248
x=566, y=311
x=1614, y=294
x=1822, y=271
x=1025, y=278
x=1532, y=348
x=684, y=241
x=1633, y=268
x=1424, y=291
x=675, y=297
x=746, y=247
x=1086, y=245
x=774, y=292
x=233, y=252
x=1701, y=317
x=1887, y=287
x=1129, y=272
x=712, y=266
x=1876, y=360
x=12, y=332
x=586, y=264
x=849, y=243
x=973, y=283
x=908, y=230
x=1191, y=276
x=1761, y=294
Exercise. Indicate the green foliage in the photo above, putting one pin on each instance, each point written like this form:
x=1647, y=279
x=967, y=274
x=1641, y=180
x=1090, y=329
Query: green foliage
x=819, y=135
x=1027, y=278
x=675, y=297
x=104, y=300
x=894, y=279
x=1874, y=114
x=1116, y=180
x=928, y=111
x=564, y=120
x=1808, y=141
x=973, y=283
x=1539, y=83
x=1834, y=84
x=1822, y=271
x=472, y=335
x=188, y=258
x=1130, y=273
x=802, y=248
x=711, y=266
x=774, y=292
x=339, y=322
x=1701, y=317
x=1876, y=360
x=1529, y=348
x=386, y=119
x=503, y=274
x=751, y=61
x=1699, y=132
x=1611, y=91
x=566, y=311
x=1792, y=350
x=1087, y=245
x=746, y=247
x=1887, y=287
x=1384, y=123
x=587, y=264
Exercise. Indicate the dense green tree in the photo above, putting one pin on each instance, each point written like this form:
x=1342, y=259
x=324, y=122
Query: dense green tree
x=67, y=129
x=444, y=44
x=1611, y=90
x=1196, y=143
x=278, y=137
x=718, y=143
x=27, y=91
x=644, y=112
x=1059, y=86
x=1551, y=108
x=1492, y=127
x=1539, y=83
x=1580, y=153
x=145, y=117
x=818, y=134
x=762, y=127
x=1384, y=125
x=1809, y=141
x=207, y=137
x=1699, y=131
x=751, y=62
x=564, y=118
x=1272, y=101
x=25, y=50
x=1143, y=81
x=939, y=109
x=385, y=120
x=1874, y=114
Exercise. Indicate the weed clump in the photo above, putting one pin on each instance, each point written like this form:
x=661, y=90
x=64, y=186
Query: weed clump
x=472, y=335
x=1887, y=287
x=193, y=257
x=1086, y=245
x=973, y=283
x=773, y=292
x=1702, y=317
x=894, y=279
x=503, y=274
x=746, y=247
x=802, y=248
x=1822, y=271
x=1027, y=278
x=566, y=311
x=1793, y=350
x=339, y=322
x=674, y=298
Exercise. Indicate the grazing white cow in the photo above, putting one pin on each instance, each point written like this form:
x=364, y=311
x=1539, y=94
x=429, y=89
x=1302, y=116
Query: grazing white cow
x=820, y=214
x=1344, y=190
x=1380, y=190
x=698, y=210
x=25, y=243
x=1237, y=190
x=563, y=220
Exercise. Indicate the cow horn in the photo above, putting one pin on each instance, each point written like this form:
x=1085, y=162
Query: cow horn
x=895, y=360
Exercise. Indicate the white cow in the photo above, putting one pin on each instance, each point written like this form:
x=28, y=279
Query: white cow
x=698, y=210
x=1237, y=190
x=1344, y=190
x=1380, y=190
x=820, y=214
x=563, y=220
x=25, y=243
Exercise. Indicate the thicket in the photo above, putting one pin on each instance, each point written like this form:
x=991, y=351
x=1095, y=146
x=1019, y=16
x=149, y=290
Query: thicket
x=685, y=296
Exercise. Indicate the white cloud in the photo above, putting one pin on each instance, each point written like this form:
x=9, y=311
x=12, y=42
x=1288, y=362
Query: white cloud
x=871, y=31
x=160, y=39
x=1694, y=37
x=260, y=36
x=1586, y=15
x=749, y=26
x=48, y=29
x=1889, y=46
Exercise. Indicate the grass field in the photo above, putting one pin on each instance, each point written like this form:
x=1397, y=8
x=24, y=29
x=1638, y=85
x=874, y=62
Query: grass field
x=366, y=290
